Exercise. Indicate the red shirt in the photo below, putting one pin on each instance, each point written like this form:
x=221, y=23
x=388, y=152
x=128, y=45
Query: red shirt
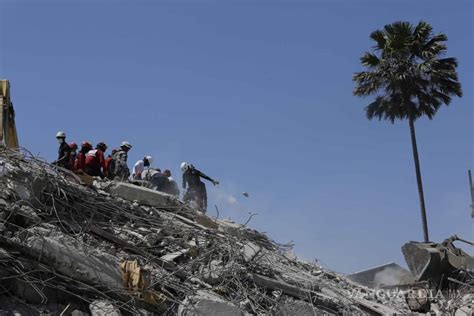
x=80, y=161
x=95, y=159
x=108, y=161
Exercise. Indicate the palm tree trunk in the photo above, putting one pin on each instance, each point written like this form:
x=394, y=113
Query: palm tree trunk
x=418, y=180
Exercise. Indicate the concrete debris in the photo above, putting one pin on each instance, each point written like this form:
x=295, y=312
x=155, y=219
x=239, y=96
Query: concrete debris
x=144, y=195
x=121, y=249
x=250, y=250
x=205, y=303
x=175, y=255
x=103, y=308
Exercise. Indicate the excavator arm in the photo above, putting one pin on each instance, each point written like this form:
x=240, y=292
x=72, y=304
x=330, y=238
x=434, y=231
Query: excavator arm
x=8, y=135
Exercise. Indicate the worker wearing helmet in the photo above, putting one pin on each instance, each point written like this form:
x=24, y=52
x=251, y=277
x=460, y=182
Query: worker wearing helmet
x=108, y=164
x=72, y=154
x=155, y=179
x=171, y=187
x=196, y=191
x=79, y=165
x=95, y=161
x=118, y=166
x=139, y=166
x=63, y=152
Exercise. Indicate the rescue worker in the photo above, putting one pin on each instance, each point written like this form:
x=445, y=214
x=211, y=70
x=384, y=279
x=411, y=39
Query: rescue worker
x=119, y=168
x=80, y=163
x=108, y=164
x=154, y=179
x=172, y=187
x=140, y=166
x=64, y=159
x=95, y=161
x=196, y=191
x=72, y=155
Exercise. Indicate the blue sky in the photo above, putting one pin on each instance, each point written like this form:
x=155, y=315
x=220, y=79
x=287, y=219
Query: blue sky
x=259, y=96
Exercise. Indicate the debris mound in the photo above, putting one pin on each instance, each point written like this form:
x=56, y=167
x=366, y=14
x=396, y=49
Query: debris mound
x=115, y=248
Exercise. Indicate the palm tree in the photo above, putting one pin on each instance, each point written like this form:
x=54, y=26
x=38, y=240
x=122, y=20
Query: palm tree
x=409, y=78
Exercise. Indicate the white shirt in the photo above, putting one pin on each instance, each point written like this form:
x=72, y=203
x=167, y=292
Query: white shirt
x=138, y=169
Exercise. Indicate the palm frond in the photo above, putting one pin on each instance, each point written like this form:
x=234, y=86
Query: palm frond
x=422, y=32
x=368, y=82
x=406, y=72
x=370, y=60
x=379, y=38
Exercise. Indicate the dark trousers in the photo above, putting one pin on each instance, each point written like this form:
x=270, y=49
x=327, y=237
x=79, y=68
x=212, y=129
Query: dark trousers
x=198, y=194
x=94, y=172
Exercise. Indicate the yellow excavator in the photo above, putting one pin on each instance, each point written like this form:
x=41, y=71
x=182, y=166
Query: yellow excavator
x=8, y=135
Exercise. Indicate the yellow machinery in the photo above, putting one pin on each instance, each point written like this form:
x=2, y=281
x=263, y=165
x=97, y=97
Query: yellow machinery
x=8, y=135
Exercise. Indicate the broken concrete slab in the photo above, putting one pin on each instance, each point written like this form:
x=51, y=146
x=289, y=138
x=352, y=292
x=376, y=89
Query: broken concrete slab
x=250, y=250
x=144, y=195
x=170, y=257
x=205, y=303
x=71, y=258
x=103, y=308
x=300, y=293
x=206, y=221
x=20, y=190
x=296, y=307
x=212, y=273
x=129, y=229
x=10, y=306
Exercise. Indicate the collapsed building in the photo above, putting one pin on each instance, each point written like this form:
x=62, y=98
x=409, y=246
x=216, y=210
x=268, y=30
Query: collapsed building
x=123, y=249
x=114, y=248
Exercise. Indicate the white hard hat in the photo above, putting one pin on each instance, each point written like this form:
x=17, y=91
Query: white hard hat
x=60, y=135
x=126, y=144
x=184, y=166
x=150, y=159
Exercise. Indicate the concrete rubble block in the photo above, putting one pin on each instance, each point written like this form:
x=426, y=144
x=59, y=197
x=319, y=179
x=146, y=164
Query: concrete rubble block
x=212, y=273
x=70, y=257
x=239, y=230
x=20, y=190
x=250, y=250
x=206, y=221
x=230, y=227
x=296, y=307
x=30, y=293
x=467, y=306
x=170, y=257
x=103, y=308
x=10, y=306
x=205, y=303
x=4, y=168
x=143, y=195
x=27, y=214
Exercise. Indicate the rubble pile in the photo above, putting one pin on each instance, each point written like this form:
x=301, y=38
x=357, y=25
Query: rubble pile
x=119, y=249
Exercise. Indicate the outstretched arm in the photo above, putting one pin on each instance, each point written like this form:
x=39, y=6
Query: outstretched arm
x=204, y=176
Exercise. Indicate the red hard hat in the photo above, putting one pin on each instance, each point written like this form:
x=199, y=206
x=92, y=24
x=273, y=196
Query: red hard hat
x=73, y=145
x=86, y=144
